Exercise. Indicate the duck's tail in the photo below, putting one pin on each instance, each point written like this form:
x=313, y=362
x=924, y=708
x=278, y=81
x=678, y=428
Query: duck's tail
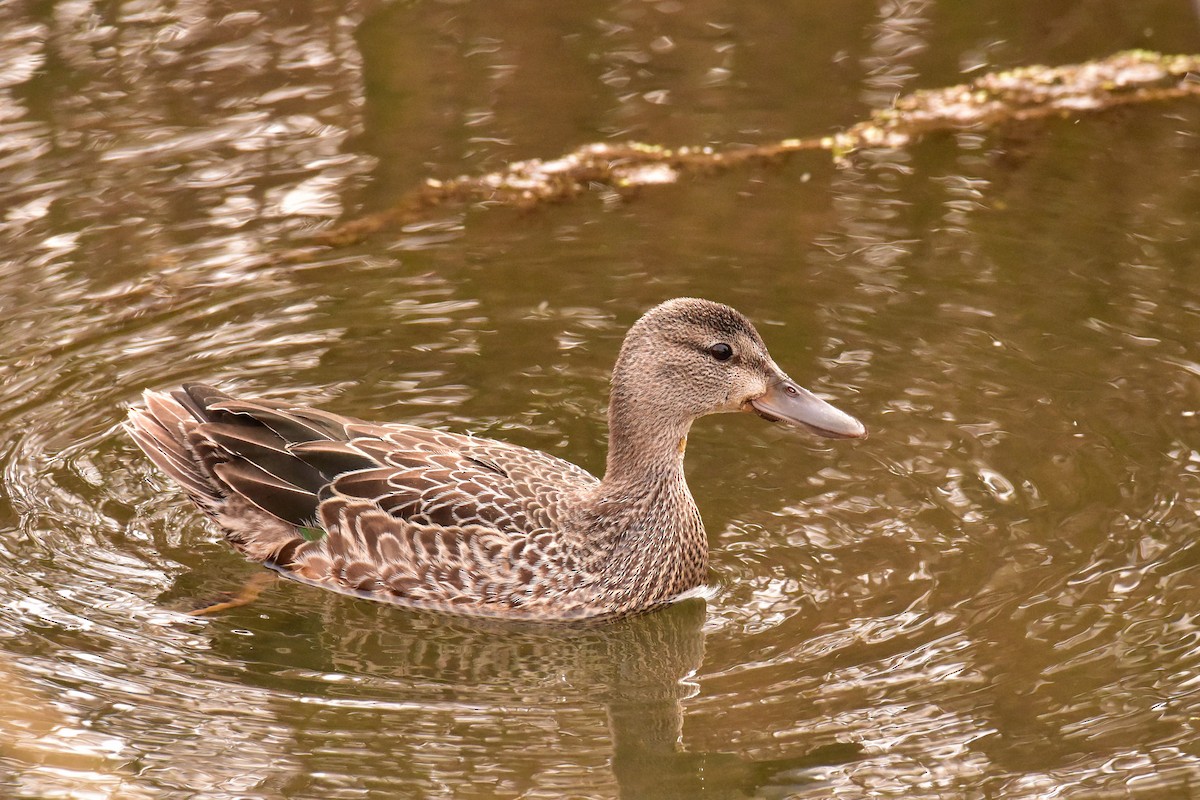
x=162, y=429
x=235, y=460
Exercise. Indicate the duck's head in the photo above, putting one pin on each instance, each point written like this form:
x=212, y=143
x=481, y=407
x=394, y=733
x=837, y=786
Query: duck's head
x=687, y=358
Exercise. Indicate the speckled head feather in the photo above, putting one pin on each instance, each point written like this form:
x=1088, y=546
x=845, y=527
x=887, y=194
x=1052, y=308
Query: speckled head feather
x=462, y=524
x=684, y=316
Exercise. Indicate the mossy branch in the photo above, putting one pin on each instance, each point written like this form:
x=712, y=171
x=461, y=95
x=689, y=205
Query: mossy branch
x=1025, y=93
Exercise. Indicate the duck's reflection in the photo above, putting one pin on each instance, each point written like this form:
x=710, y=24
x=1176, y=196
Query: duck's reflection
x=525, y=708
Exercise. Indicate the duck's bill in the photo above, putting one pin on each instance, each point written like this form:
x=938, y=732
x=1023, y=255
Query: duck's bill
x=785, y=401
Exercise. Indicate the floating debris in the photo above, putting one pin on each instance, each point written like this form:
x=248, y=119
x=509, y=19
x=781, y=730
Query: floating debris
x=1025, y=93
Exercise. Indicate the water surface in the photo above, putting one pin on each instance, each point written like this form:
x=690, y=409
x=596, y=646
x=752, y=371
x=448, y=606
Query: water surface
x=993, y=596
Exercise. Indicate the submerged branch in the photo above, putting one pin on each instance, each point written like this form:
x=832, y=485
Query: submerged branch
x=1024, y=93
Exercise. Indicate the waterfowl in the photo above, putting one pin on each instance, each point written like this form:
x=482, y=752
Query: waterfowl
x=462, y=524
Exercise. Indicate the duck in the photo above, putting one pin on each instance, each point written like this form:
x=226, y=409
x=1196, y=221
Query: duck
x=461, y=524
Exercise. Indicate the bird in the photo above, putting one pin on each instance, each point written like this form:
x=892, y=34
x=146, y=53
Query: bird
x=461, y=524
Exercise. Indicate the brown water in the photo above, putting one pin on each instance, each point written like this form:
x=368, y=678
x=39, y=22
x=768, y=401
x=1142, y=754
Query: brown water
x=995, y=596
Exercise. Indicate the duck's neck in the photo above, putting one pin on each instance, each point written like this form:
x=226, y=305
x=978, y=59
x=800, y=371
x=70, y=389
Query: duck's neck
x=645, y=532
x=643, y=448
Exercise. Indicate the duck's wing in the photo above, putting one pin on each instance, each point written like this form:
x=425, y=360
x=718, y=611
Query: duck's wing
x=397, y=512
x=438, y=478
x=445, y=521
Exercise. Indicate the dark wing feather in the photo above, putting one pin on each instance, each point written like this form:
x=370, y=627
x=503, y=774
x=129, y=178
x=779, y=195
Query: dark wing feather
x=264, y=449
x=266, y=491
x=289, y=426
x=331, y=458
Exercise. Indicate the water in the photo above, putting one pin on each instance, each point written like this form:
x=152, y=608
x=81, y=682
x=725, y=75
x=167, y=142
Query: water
x=993, y=596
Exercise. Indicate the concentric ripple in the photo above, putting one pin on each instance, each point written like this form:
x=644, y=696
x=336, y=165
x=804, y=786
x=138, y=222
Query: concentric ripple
x=995, y=595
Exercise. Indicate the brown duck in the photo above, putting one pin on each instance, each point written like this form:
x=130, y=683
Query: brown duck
x=462, y=524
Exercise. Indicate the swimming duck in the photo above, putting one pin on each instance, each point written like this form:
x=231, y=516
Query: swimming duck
x=462, y=524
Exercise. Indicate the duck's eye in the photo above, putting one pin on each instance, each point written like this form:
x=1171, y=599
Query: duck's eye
x=721, y=351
